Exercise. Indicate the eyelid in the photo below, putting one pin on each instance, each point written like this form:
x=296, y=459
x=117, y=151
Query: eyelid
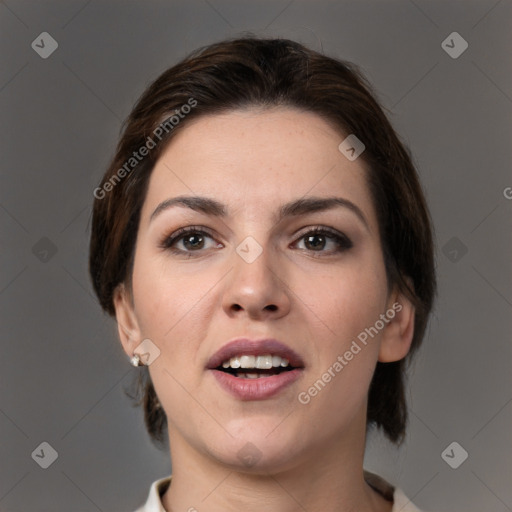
x=340, y=238
x=169, y=239
x=319, y=227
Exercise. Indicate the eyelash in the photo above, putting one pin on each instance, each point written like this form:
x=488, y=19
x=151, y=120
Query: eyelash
x=343, y=242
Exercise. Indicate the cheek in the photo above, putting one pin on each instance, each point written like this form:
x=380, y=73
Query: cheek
x=155, y=304
x=172, y=306
x=348, y=304
x=348, y=299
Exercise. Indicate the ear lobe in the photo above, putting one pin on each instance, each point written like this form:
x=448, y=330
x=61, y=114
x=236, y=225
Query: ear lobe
x=127, y=325
x=398, y=334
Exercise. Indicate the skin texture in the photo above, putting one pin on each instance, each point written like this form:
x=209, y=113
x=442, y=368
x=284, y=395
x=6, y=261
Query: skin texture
x=191, y=304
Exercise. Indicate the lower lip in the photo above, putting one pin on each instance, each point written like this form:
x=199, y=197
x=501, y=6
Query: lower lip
x=256, y=389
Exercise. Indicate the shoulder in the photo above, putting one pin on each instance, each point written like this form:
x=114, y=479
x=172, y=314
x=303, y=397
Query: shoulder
x=401, y=503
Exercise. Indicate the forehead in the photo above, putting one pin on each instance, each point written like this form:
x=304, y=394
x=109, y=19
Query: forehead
x=257, y=158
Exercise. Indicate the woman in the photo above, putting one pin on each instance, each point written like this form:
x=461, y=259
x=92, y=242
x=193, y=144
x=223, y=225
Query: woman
x=262, y=239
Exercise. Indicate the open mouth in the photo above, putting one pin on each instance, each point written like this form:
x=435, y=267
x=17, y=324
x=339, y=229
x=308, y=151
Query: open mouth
x=255, y=367
x=256, y=370
x=254, y=373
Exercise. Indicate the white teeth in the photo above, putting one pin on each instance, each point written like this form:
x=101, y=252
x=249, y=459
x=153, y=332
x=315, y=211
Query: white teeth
x=251, y=375
x=234, y=362
x=276, y=361
x=247, y=361
x=265, y=362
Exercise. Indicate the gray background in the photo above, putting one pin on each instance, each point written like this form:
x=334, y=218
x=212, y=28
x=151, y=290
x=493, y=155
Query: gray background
x=62, y=370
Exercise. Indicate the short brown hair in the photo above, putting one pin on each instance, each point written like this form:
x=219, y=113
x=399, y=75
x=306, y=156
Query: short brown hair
x=251, y=71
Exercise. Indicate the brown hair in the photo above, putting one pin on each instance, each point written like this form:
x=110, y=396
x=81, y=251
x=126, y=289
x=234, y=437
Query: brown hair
x=250, y=71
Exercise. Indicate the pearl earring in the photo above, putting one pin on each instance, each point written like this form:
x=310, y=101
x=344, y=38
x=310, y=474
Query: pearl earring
x=135, y=360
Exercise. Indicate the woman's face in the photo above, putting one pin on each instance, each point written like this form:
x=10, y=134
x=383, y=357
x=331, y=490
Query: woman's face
x=310, y=275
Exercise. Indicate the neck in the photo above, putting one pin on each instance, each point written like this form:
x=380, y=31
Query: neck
x=330, y=478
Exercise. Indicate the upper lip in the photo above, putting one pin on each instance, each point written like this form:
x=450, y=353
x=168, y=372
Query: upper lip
x=246, y=346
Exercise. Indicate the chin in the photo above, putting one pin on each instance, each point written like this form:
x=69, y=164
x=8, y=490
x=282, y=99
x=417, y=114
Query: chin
x=257, y=452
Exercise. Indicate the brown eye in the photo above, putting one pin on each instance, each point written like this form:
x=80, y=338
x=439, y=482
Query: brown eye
x=318, y=239
x=191, y=240
x=194, y=241
x=315, y=242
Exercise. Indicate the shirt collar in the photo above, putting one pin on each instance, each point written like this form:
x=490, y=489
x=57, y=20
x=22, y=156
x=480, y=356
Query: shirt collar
x=156, y=491
x=401, y=502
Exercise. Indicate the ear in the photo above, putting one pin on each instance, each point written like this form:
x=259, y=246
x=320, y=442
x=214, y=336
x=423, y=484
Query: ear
x=127, y=325
x=397, y=335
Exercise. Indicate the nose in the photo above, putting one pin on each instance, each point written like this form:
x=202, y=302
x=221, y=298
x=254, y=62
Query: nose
x=257, y=288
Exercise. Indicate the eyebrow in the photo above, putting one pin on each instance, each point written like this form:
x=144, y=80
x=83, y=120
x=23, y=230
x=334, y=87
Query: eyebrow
x=302, y=206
